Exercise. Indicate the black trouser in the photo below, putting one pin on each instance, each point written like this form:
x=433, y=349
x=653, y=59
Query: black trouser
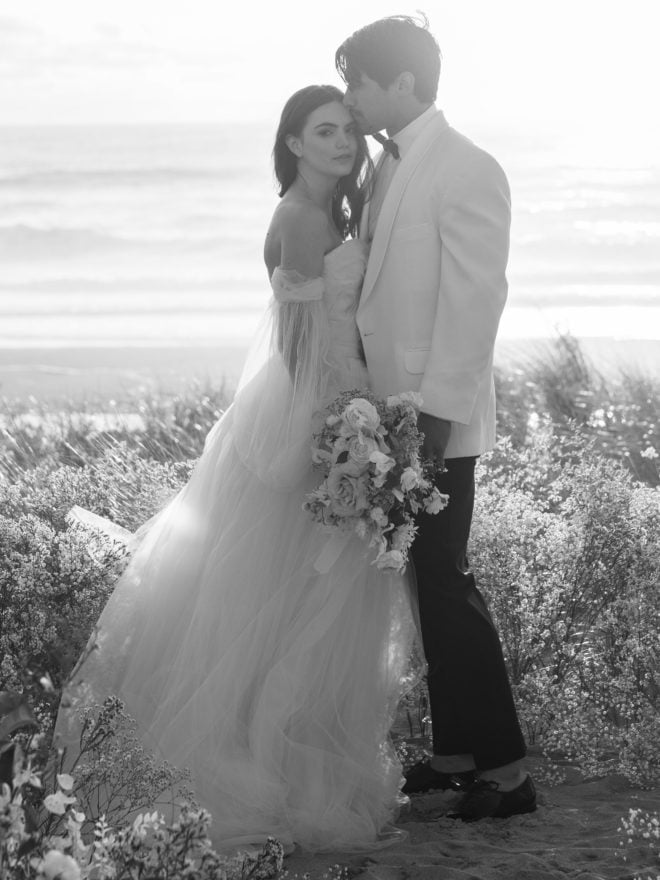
x=472, y=709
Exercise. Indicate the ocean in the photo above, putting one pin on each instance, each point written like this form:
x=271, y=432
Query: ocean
x=138, y=236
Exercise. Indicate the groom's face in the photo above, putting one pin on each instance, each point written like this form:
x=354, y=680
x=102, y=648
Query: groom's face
x=370, y=104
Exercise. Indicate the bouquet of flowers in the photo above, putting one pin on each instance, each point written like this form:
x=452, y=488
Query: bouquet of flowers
x=374, y=483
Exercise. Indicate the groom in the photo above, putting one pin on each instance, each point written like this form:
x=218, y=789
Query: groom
x=435, y=286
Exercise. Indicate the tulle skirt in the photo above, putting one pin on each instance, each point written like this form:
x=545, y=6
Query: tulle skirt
x=274, y=684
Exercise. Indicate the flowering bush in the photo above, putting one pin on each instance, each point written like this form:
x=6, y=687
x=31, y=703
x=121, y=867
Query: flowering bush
x=368, y=450
x=53, y=584
x=566, y=547
x=119, y=485
x=642, y=828
x=115, y=776
x=54, y=578
x=42, y=825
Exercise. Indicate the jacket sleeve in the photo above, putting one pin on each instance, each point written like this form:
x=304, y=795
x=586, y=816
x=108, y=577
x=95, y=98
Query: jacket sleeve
x=473, y=217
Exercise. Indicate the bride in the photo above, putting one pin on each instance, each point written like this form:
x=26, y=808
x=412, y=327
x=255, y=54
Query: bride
x=244, y=650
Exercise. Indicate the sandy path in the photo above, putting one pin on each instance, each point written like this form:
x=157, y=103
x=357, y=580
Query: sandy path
x=573, y=834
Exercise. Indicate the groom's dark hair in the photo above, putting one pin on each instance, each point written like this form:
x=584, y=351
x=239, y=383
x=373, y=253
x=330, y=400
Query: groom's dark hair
x=387, y=47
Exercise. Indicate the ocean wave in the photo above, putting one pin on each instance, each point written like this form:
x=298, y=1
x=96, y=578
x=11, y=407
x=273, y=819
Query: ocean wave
x=545, y=296
x=216, y=285
x=22, y=241
x=136, y=176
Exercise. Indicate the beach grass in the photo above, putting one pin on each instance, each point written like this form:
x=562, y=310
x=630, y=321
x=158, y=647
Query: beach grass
x=555, y=383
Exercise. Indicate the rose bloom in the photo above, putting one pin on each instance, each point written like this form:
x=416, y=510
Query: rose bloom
x=393, y=559
x=384, y=463
x=409, y=479
x=360, y=449
x=348, y=493
x=361, y=415
x=377, y=514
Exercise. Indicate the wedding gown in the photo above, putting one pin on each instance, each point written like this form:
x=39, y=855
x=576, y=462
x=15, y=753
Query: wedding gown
x=274, y=683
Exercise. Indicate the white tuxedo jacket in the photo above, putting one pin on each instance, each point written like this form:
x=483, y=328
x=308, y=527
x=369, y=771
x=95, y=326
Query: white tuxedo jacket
x=435, y=283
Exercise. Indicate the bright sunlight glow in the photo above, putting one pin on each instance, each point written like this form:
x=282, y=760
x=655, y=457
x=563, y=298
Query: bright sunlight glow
x=590, y=65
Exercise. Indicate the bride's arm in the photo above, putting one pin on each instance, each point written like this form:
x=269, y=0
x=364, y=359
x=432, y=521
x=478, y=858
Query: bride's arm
x=304, y=239
x=297, y=281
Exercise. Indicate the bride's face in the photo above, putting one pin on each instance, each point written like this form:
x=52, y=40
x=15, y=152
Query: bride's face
x=328, y=142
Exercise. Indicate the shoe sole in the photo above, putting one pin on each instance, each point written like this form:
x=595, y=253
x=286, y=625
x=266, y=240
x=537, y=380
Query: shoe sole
x=469, y=819
x=522, y=812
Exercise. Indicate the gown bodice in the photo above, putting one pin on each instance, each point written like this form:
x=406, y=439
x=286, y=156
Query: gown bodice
x=344, y=269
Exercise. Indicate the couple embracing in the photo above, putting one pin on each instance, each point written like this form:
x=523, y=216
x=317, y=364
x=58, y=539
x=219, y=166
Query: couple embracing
x=276, y=683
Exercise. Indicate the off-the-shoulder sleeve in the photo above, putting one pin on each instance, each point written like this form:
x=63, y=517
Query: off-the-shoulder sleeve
x=289, y=286
x=277, y=398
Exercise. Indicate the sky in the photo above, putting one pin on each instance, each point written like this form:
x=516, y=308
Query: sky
x=587, y=65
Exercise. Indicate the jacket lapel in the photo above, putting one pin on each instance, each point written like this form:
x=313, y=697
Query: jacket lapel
x=435, y=129
x=364, y=219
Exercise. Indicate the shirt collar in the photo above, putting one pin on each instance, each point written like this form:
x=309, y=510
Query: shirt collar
x=404, y=138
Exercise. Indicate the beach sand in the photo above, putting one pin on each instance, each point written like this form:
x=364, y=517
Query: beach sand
x=94, y=373
x=572, y=834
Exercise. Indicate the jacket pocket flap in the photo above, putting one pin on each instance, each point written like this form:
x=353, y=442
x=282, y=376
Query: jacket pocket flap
x=415, y=359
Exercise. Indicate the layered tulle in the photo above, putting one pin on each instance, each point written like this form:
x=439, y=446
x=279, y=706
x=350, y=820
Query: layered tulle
x=274, y=684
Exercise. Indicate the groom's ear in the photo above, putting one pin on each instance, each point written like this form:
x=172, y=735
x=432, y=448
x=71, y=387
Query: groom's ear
x=405, y=83
x=293, y=143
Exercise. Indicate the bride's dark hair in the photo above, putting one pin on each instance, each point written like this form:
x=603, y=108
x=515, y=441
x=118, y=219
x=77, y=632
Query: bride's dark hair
x=352, y=190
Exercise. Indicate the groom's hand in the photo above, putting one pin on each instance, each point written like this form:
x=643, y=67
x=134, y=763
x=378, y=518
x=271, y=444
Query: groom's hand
x=436, y=437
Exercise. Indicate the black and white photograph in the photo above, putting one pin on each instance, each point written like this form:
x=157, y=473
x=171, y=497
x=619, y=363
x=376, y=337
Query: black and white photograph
x=329, y=440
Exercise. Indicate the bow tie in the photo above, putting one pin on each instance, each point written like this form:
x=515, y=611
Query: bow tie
x=387, y=144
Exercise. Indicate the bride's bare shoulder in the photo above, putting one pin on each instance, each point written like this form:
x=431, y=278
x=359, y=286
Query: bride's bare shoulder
x=297, y=237
x=295, y=216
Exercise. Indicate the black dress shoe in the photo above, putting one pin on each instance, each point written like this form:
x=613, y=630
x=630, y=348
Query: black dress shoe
x=483, y=799
x=422, y=777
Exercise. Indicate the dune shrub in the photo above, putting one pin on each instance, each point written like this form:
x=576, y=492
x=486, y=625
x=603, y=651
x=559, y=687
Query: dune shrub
x=48, y=831
x=54, y=577
x=566, y=547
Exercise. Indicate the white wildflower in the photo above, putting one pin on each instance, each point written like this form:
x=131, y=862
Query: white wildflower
x=57, y=803
x=58, y=866
x=437, y=502
x=65, y=781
